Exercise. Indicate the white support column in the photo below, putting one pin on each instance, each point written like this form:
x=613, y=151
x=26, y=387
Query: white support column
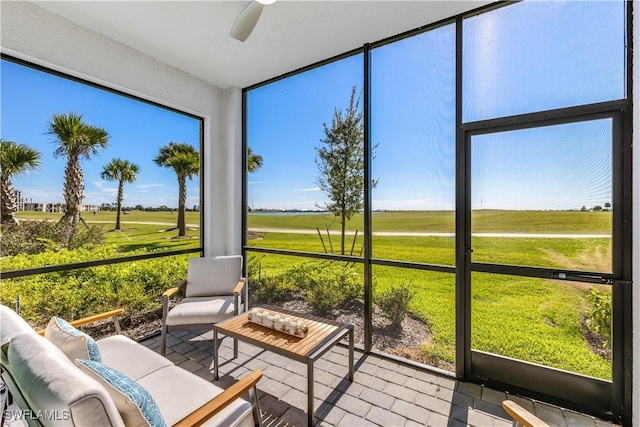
x=224, y=197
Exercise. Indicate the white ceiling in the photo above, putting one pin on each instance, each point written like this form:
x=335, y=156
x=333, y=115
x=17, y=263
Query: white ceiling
x=194, y=35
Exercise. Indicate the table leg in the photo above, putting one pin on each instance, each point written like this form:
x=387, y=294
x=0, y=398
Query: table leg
x=215, y=353
x=351, y=355
x=310, y=393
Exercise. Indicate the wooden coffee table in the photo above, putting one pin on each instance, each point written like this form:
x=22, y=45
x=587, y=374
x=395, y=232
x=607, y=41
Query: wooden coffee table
x=322, y=335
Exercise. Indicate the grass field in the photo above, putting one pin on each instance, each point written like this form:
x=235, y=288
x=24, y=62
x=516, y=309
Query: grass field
x=192, y=218
x=530, y=319
x=483, y=221
x=139, y=229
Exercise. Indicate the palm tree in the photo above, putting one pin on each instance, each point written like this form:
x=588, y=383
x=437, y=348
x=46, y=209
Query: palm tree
x=121, y=171
x=75, y=140
x=15, y=159
x=185, y=162
x=254, y=161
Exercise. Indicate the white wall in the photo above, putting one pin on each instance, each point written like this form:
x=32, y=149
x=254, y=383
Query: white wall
x=36, y=35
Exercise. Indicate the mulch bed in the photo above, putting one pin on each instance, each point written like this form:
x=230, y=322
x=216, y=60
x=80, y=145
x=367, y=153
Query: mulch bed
x=594, y=341
x=134, y=326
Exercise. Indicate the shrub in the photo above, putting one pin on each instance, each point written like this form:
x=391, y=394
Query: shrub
x=599, y=316
x=134, y=286
x=273, y=289
x=327, y=285
x=394, y=302
x=34, y=237
x=324, y=298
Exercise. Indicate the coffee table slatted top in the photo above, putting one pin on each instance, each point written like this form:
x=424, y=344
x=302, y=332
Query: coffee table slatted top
x=319, y=331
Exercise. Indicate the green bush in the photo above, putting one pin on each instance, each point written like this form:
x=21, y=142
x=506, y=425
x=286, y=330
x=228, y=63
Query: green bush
x=323, y=299
x=394, y=302
x=273, y=289
x=135, y=286
x=327, y=285
x=34, y=237
x=599, y=315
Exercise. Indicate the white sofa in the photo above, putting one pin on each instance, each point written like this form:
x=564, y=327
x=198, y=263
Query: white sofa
x=43, y=380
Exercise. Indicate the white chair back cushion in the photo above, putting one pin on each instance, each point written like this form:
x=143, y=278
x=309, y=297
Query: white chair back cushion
x=50, y=382
x=213, y=276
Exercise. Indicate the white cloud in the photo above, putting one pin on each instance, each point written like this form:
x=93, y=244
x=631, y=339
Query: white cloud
x=257, y=182
x=308, y=189
x=145, y=186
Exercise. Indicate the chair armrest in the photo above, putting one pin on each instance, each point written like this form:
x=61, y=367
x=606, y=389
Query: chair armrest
x=239, y=286
x=91, y=319
x=175, y=289
x=221, y=401
x=521, y=415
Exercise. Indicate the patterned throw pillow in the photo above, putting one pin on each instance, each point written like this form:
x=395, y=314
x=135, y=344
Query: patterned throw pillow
x=73, y=343
x=135, y=404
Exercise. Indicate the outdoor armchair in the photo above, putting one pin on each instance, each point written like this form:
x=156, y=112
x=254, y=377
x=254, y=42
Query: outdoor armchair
x=214, y=291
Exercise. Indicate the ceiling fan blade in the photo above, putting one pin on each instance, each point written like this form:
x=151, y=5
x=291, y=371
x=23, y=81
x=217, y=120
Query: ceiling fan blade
x=246, y=21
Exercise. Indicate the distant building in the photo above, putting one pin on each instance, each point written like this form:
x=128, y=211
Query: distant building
x=36, y=207
x=87, y=208
x=24, y=205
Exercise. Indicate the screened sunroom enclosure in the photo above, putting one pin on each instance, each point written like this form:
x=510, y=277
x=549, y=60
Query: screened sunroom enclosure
x=495, y=176
x=496, y=153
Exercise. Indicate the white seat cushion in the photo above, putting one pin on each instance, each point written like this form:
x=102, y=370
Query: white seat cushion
x=130, y=358
x=202, y=310
x=167, y=384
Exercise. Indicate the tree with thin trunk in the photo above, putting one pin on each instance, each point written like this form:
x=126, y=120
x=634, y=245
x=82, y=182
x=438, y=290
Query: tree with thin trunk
x=121, y=171
x=185, y=162
x=76, y=140
x=340, y=164
x=15, y=160
x=254, y=161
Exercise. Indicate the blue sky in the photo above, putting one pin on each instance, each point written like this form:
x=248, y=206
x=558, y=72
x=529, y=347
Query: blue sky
x=137, y=130
x=523, y=58
x=526, y=57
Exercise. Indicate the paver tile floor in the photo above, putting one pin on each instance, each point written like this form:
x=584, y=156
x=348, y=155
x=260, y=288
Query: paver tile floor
x=384, y=393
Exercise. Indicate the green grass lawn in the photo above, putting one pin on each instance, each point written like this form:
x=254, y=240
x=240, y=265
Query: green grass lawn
x=192, y=218
x=151, y=237
x=483, y=221
x=530, y=319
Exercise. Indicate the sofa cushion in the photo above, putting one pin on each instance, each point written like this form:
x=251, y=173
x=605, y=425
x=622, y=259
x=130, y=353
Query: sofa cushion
x=136, y=406
x=213, y=276
x=202, y=310
x=168, y=383
x=74, y=343
x=48, y=381
x=11, y=324
x=130, y=358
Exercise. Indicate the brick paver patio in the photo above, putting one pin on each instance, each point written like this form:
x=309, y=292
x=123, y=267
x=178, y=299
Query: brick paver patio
x=384, y=393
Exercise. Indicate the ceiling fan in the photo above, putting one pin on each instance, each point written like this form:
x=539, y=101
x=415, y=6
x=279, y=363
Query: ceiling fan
x=248, y=18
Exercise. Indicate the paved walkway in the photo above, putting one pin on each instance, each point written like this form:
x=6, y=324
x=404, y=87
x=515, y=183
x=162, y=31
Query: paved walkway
x=384, y=393
x=433, y=234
